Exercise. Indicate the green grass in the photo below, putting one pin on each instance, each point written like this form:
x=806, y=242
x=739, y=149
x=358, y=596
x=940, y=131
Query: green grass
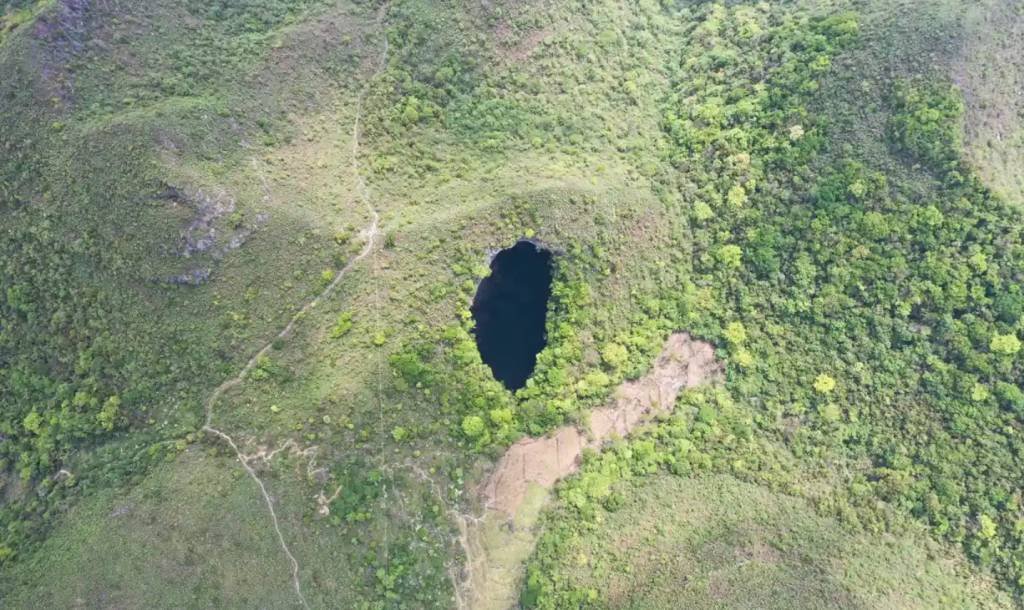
x=17, y=13
x=988, y=72
x=716, y=542
x=190, y=537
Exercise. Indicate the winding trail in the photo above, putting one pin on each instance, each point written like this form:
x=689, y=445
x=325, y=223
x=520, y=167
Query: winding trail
x=371, y=234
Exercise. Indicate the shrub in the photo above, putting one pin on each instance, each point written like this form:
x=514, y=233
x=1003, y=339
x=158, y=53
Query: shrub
x=614, y=355
x=342, y=326
x=473, y=426
x=824, y=384
x=735, y=333
x=1006, y=345
x=730, y=256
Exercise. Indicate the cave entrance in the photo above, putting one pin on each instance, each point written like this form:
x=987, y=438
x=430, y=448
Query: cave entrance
x=510, y=311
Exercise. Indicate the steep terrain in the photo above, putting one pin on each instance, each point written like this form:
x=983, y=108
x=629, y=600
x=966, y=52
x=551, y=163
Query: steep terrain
x=239, y=241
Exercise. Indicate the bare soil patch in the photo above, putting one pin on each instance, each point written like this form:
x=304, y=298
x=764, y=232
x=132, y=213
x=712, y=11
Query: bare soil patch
x=683, y=363
x=514, y=494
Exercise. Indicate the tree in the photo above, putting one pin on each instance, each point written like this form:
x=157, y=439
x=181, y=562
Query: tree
x=473, y=426
x=502, y=416
x=737, y=196
x=735, y=333
x=32, y=422
x=824, y=384
x=614, y=355
x=979, y=393
x=1006, y=345
x=731, y=256
x=411, y=113
x=830, y=412
x=592, y=384
x=987, y=528
x=743, y=358
x=108, y=415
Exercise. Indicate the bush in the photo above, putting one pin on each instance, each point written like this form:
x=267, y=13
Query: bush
x=473, y=426
x=926, y=123
x=824, y=384
x=1005, y=345
x=615, y=356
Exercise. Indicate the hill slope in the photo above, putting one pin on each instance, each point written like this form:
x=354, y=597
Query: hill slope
x=240, y=241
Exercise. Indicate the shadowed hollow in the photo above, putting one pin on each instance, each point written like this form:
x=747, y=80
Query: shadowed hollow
x=510, y=309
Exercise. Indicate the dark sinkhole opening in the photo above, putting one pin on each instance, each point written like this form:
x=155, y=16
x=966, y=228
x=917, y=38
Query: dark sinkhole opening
x=510, y=310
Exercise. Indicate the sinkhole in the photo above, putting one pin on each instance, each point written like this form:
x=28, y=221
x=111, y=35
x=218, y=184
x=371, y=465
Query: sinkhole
x=510, y=309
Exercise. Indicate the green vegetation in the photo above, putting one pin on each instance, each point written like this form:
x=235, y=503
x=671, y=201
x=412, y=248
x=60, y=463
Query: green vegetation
x=913, y=365
x=715, y=542
x=926, y=124
x=105, y=362
x=785, y=180
x=665, y=517
x=14, y=14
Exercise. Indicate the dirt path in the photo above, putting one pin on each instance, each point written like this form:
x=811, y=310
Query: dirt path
x=513, y=495
x=371, y=234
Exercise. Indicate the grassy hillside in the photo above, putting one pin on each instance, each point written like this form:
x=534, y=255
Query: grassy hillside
x=992, y=77
x=325, y=392
x=240, y=240
x=118, y=197
x=715, y=542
